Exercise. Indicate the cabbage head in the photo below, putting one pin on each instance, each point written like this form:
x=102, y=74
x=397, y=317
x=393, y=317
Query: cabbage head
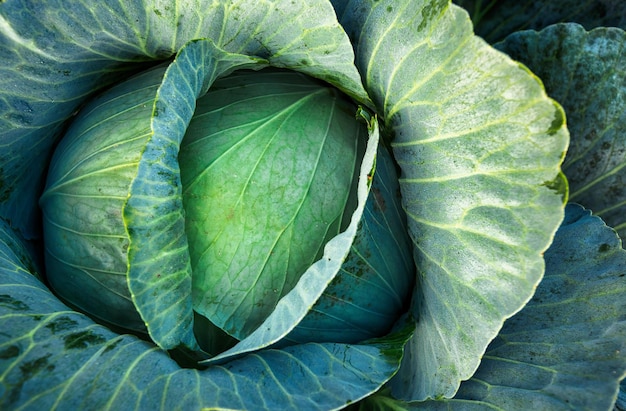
x=289, y=204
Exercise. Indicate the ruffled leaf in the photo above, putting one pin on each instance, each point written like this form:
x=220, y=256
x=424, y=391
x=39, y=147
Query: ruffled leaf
x=159, y=269
x=301, y=38
x=269, y=167
x=293, y=307
x=496, y=19
x=586, y=72
x=55, y=57
x=372, y=289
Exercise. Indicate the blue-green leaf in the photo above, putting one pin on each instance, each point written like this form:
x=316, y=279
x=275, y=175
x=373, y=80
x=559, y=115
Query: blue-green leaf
x=159, y=269
x=269, y=167
x=114, y=225
x=479, y=144
x=620, y=404
x=586, y=72
x=53, y=357
x=54, y=57
x=297, y=35
x=566, y=350
x=496, y=19
x=89, y=177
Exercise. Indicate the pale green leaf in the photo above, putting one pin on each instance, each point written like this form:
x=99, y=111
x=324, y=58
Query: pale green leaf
x=55, y=56
x=85, y=240
x=566, y=350
x=268, y=165
x=293, y=307
x=372, y=290
x=479, y=145
x=302, y=37
x=159, y=269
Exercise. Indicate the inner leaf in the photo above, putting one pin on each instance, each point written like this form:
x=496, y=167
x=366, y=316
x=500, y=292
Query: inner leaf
x=267, y=166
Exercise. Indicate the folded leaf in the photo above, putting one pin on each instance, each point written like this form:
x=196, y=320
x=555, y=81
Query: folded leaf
x=371, y=291
x=269, y=168
x=89, y=178
x=159, y=268
x=293, y=307
x=158, y=264
x=479, y=145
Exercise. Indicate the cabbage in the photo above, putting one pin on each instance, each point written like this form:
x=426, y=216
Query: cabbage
x=311, y=205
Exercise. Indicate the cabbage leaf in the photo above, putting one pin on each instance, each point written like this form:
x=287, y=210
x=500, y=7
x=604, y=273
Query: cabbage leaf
x=586, y=71
x=565, y=349
x=496, y=19
x=479, y=144
x=56, y=357
x=71, y=49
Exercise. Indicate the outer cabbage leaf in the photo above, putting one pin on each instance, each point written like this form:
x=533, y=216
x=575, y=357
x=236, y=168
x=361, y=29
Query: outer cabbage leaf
x=302, y=37
x=89, y=178
x=57, y=358
x=479, y=145
x=586, y=71
x=496, y=19
x=55, y=56
x=566, y=349
x=114, y=223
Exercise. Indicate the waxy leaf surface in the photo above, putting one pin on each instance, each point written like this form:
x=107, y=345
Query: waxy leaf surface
x=479, y=144
x=55, y=57
x=269, y=168
x=495, y=19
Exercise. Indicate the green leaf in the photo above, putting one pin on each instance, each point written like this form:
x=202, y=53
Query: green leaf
x=300, y=38
x=55, y=56
x=372, y=289
x=53, y=357
x=159, y=269
x=586, y=71
x=382, y=401
x=479, y=145
x=566, y=349
x=15, y=257
x=293, y=307
x=105, y=188
x=89, y=178
x=268, y=166
x=496, y=19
